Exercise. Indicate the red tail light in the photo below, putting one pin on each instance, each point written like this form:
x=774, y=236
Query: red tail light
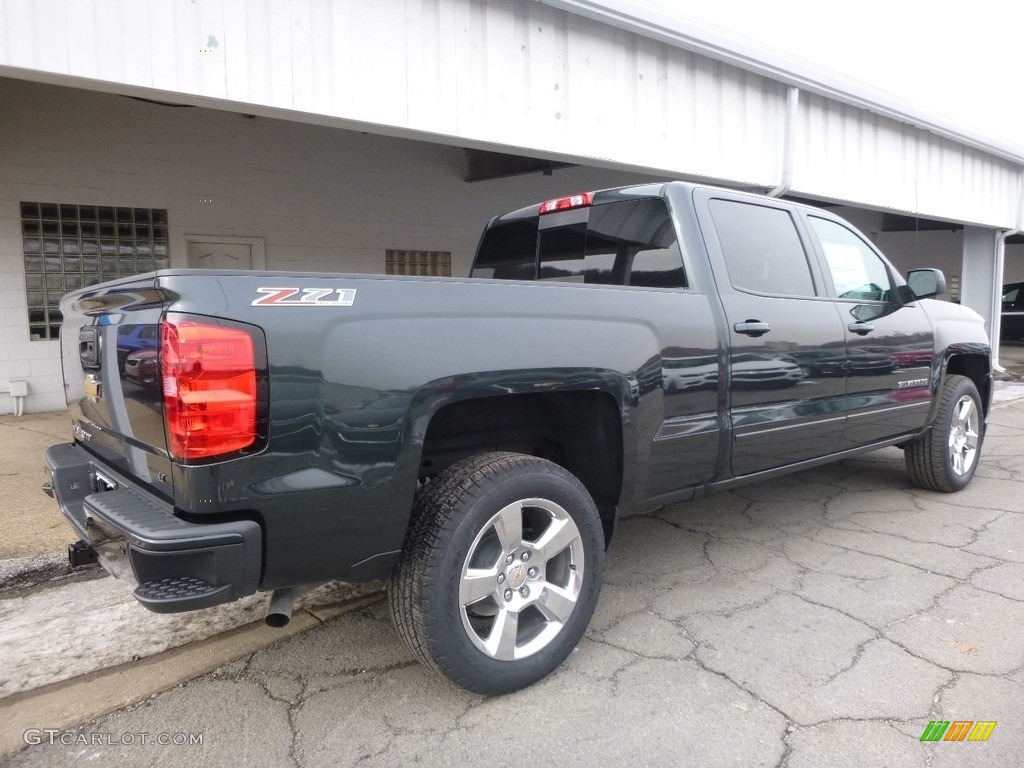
x=581, y=200
x=211, y=402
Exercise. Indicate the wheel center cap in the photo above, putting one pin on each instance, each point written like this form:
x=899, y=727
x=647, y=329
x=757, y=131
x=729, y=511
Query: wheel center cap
x=516, y=575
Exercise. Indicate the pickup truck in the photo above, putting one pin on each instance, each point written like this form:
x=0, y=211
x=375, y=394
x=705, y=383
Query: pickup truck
x=475, y=440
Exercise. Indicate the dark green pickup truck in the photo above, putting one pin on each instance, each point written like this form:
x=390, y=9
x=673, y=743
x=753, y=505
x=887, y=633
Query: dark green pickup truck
x=474, y=440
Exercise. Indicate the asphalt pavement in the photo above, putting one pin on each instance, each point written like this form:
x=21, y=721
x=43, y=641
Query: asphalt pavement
x=825, y=618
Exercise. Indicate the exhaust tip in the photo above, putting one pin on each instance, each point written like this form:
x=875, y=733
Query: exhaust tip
x=279, y=612
x=278, y=620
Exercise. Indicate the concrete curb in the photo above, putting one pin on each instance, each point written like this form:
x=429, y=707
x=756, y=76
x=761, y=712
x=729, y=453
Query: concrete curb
x=79, y=700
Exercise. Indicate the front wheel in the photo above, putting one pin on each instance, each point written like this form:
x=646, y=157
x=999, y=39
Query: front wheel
x=500, y=572
x=945, y=459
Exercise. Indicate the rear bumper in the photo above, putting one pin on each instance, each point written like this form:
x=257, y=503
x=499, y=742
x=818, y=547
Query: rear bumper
x=174, y=565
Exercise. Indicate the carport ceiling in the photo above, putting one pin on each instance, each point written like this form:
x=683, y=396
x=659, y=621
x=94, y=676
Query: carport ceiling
x=895, y=222
x=482, y=165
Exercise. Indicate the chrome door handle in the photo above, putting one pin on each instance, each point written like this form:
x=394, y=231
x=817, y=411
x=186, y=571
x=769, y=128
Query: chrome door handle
x=752, y=328
x=861, y=329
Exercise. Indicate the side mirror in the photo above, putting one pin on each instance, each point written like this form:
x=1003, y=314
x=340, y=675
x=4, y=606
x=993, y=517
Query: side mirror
x=926, y=283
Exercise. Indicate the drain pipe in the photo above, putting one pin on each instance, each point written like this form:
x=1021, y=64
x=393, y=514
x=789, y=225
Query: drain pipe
x=997, y=273
x=789, y=142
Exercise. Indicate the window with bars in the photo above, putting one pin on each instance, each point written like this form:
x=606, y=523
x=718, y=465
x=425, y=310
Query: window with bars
x=73, y=246
x=418, y=263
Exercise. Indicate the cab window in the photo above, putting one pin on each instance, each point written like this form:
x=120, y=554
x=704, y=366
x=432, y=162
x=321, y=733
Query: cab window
x=857, y=271
x=762, y=249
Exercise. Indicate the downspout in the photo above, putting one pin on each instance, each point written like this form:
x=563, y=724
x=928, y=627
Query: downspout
x=997, y=274
x=789, y=142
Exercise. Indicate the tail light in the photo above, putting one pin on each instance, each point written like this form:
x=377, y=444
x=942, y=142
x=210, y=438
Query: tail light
x=210, y=373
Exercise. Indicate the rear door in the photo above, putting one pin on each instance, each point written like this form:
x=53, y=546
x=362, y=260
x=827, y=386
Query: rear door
x=889, y=343
x=787, y=347
x=631, y=245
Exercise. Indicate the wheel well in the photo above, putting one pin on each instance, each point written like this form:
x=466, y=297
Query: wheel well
x=976, y=368
x=580, y=431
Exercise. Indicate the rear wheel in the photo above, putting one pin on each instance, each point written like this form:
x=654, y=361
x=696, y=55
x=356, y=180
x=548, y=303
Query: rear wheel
x=500, y=572
x=945, y=459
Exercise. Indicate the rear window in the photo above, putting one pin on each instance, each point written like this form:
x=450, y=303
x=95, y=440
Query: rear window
x=508, y=251
x=625, y=243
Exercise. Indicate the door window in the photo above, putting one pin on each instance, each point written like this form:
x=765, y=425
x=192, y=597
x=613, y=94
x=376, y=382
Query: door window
x=762, y=249
x=857, y=271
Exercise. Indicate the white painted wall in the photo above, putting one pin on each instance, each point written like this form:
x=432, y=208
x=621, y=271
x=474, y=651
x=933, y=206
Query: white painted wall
x=323, y=199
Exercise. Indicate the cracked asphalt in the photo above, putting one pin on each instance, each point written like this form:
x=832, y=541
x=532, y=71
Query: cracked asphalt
x=819, y=619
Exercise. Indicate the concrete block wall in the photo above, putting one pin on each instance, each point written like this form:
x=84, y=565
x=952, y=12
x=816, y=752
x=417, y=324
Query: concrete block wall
x=323, y=199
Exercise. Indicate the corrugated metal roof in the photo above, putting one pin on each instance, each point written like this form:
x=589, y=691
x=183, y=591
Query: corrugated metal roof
x=609, y=83
x=663, y=24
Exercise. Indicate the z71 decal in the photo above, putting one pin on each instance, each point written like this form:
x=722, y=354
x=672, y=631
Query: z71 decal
x=305, y=297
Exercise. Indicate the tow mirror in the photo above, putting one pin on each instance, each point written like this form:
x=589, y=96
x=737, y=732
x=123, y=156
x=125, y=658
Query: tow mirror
x=926, y=283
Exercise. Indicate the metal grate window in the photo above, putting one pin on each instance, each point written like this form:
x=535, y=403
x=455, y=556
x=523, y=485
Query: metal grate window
x=418, y=263
x=72, y=246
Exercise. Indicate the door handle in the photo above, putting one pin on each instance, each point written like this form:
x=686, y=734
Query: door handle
x=753, y=328
x=861, y=329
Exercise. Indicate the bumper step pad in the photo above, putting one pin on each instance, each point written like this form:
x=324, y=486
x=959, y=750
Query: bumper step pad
x=162, y=595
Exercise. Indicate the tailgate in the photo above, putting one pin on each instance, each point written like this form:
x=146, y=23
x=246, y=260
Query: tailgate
x=109, y=346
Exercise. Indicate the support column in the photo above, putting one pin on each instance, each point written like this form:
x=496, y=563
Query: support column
x=982, y=281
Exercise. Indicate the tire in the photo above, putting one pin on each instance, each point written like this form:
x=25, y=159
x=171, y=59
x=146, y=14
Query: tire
x=945, y=459
x=500, y=572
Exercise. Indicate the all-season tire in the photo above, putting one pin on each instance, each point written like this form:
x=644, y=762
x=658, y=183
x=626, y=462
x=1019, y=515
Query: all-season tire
x=500, y=572
x=945, y=459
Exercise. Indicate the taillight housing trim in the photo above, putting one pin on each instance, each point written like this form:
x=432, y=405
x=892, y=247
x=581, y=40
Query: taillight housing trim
x=214, y=387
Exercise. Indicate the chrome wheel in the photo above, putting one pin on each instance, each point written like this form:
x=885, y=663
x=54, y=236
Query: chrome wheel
x=946, y=456
x=500, y=571
x=521, y=579
x=963, y=436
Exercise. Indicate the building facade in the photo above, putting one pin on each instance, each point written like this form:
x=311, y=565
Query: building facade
x=351, y=136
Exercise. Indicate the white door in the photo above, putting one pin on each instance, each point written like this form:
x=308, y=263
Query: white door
x=204, y=255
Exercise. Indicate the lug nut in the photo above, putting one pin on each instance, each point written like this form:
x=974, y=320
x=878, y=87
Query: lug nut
x=532, y=572
x=501, y=578
x=526, y=556
x=509, y=559
x=524, y=591
x=508, y=594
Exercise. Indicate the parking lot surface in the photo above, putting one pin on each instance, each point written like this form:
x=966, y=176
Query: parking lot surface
x=825, y=618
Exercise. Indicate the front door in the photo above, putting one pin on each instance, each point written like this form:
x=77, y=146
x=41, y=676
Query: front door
x=889, y=344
